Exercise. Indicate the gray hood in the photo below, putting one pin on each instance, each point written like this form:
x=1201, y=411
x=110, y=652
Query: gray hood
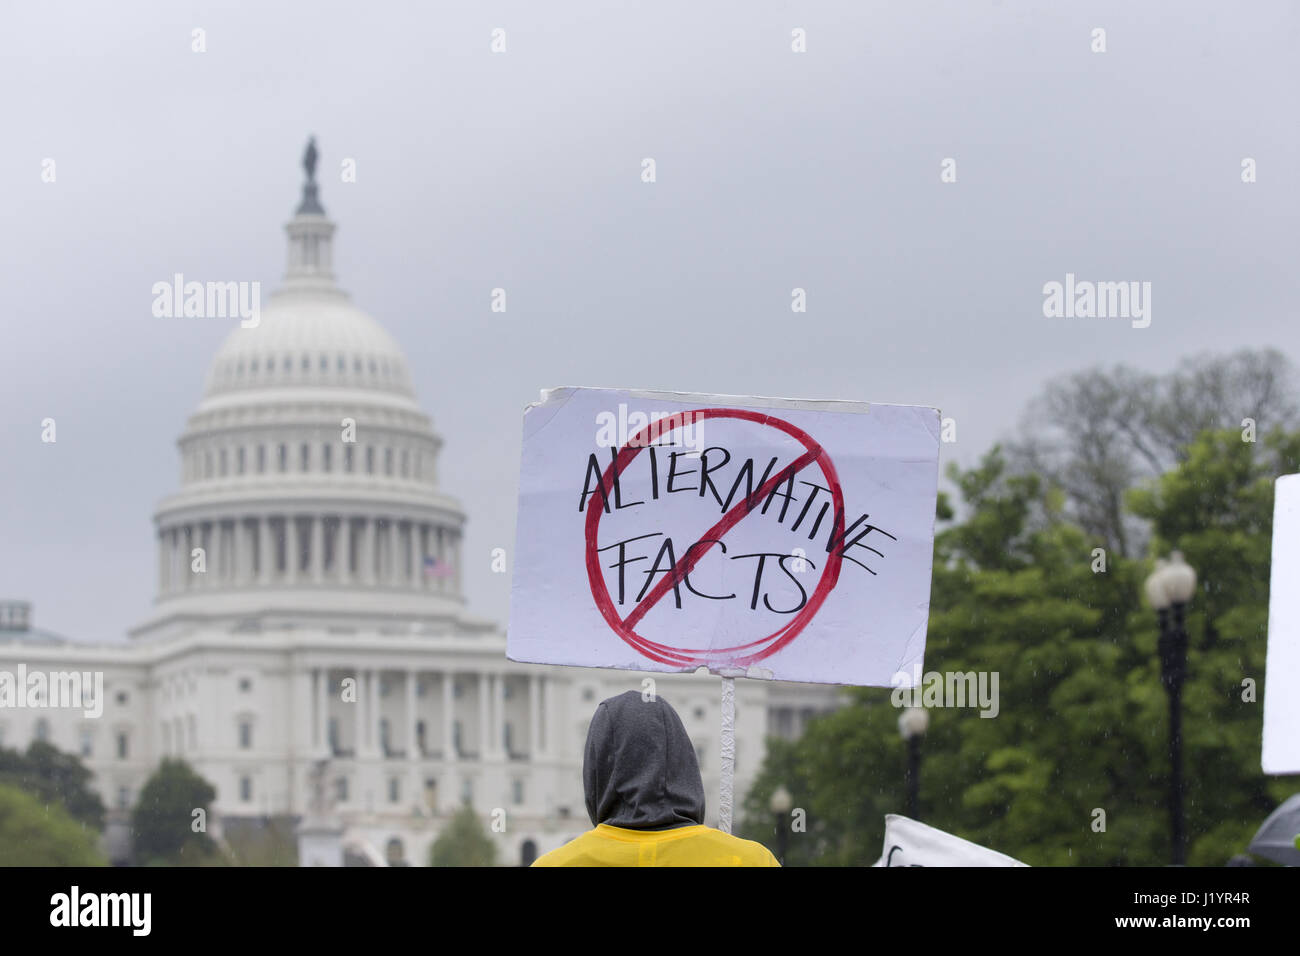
x=639, y=770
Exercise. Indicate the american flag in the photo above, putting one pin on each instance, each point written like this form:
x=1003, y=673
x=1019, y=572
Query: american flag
x=433, y=568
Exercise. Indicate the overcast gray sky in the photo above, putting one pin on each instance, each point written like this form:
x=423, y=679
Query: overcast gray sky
x=775, y=170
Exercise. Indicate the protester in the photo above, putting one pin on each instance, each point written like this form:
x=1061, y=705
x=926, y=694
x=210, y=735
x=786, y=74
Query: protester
x=645, y=796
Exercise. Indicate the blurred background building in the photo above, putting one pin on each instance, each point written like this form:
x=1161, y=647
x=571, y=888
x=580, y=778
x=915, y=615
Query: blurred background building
x=324, y=658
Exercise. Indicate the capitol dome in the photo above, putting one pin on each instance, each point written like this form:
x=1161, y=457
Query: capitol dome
x=309, y=473
x=309, y=338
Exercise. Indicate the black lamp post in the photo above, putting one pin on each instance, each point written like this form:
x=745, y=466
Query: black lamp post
x=912, y=724
x=781, y=804
x=1169, y=588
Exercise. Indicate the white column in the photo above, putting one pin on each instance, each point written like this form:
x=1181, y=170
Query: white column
x=373, y=697
x=344, y=550
x=412, y=742
x=499, y=700
x=394, y=576
x=442, y=558
x=360, y=705
x=162, y=562
x=484, y=715
x=448, y=717
x=291, y=549
x=366, y=559
x=238, y=564
x=266, y=549
x=173, y=572
x=455, y=560
x=317, y=549
x=413, y=547
x=414, y=779
x=215, y=554
x=317, y=710
x=551, y=701
x=534, y=716
x=250, y=546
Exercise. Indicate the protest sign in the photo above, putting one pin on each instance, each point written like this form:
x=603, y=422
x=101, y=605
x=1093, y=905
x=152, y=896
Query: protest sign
x=909, y=842
x=666, y=531
x=1281, y=752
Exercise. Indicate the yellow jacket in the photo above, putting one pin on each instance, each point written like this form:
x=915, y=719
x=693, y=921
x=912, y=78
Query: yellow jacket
x=644, y=795
x=681, y=846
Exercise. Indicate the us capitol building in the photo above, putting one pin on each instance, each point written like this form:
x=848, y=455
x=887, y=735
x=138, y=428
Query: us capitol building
x=323, y=666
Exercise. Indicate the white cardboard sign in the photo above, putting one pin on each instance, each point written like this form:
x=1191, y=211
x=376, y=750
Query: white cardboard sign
x=667, y=531
x=1282, y=671
x=909, y=842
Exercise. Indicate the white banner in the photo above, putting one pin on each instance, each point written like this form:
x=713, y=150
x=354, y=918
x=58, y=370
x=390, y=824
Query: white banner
x=909, y=842
x=666, y=531
x=1282, y=671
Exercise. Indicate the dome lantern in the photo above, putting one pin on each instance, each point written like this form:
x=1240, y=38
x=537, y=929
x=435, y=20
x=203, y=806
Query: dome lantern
x=311, y=233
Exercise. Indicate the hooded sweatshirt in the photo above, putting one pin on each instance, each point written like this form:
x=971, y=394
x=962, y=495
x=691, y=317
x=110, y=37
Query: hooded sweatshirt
x=645, y=796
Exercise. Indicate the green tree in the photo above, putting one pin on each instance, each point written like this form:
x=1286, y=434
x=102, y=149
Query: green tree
x=34, y=832
x=463, y=842
x=1082, y=723
x=53, y=776
x=1217, y=508
x=162, y=822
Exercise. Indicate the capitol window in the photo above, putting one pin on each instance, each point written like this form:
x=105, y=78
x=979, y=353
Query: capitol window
x=87, y=742
x=347, y=459
x=306, y=361
x=306, y=457
x=252, y=367
x=406, y=463
x=324, y=364
x=284, y=457
x=342, y=365
x=121, y=745
x=223, y=462
x=394, y=789
x=261, y=459
x=246, y=789
x=42, y=732
x=518, y=791
x=325, y=457
x=388, y=461
x=245, y=735
x=370, y=460
x=341, y=789
x=239, y=460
